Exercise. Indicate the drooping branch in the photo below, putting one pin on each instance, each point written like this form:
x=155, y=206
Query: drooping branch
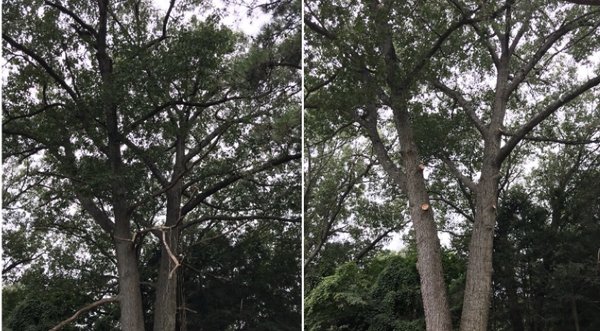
x=542, y=115
x=83, y=310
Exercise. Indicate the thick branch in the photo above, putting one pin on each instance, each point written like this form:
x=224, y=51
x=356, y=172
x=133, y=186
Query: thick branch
x=83, y=310
x=466, y=181
x=318, y=29
x=193, y=202
x=97, y=214
x=467, y=106
x=370, y=125
x=542, y=115
x=43, y=64
x=74, y=16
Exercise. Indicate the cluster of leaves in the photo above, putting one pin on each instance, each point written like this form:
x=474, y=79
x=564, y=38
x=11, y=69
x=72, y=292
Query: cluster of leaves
x=381, y=294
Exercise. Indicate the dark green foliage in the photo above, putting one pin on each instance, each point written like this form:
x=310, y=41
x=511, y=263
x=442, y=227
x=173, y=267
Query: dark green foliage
x=244, y=283
x=546, y=258
x=380, y=295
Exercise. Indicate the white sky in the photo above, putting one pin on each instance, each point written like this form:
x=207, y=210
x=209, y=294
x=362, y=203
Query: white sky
x=235, y=16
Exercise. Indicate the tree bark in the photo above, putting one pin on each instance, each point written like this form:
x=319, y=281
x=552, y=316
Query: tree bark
x=130, y=295
x=165, y=304
x=429, y=256
x=479, y=270
x=412, y=182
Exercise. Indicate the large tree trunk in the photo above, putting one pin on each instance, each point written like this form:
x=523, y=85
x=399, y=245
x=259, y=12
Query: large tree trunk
x=165, y=303
x=130, y=296
x=429, y=257
x=479, y=270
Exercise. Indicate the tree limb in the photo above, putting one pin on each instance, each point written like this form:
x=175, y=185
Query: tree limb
x=546, y=45
x=467, y=106
x=468, y=182
x=193, y=202
x=83, y=310
x=240, y=218
x=49, y=70
x=542, y=115
x=74, y=16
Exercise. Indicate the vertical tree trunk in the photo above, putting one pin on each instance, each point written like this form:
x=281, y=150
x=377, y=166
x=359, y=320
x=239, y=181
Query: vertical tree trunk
x=429, y=257
x=516, y=316
x=165, y=304
x=130, y=296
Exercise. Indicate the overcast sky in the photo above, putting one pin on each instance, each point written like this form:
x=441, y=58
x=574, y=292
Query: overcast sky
x=236, y=16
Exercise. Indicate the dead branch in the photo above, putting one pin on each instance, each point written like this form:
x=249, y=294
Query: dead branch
x=83, y=310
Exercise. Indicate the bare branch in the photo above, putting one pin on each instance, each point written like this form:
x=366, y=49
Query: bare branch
x=83, y=310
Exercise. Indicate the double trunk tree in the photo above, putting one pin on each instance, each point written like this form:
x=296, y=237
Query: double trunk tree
x=158, y=109
x=394, y=52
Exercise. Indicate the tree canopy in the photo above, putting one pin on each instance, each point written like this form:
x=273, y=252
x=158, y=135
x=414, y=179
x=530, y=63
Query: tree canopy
x=136, y=141
x=443, y=98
